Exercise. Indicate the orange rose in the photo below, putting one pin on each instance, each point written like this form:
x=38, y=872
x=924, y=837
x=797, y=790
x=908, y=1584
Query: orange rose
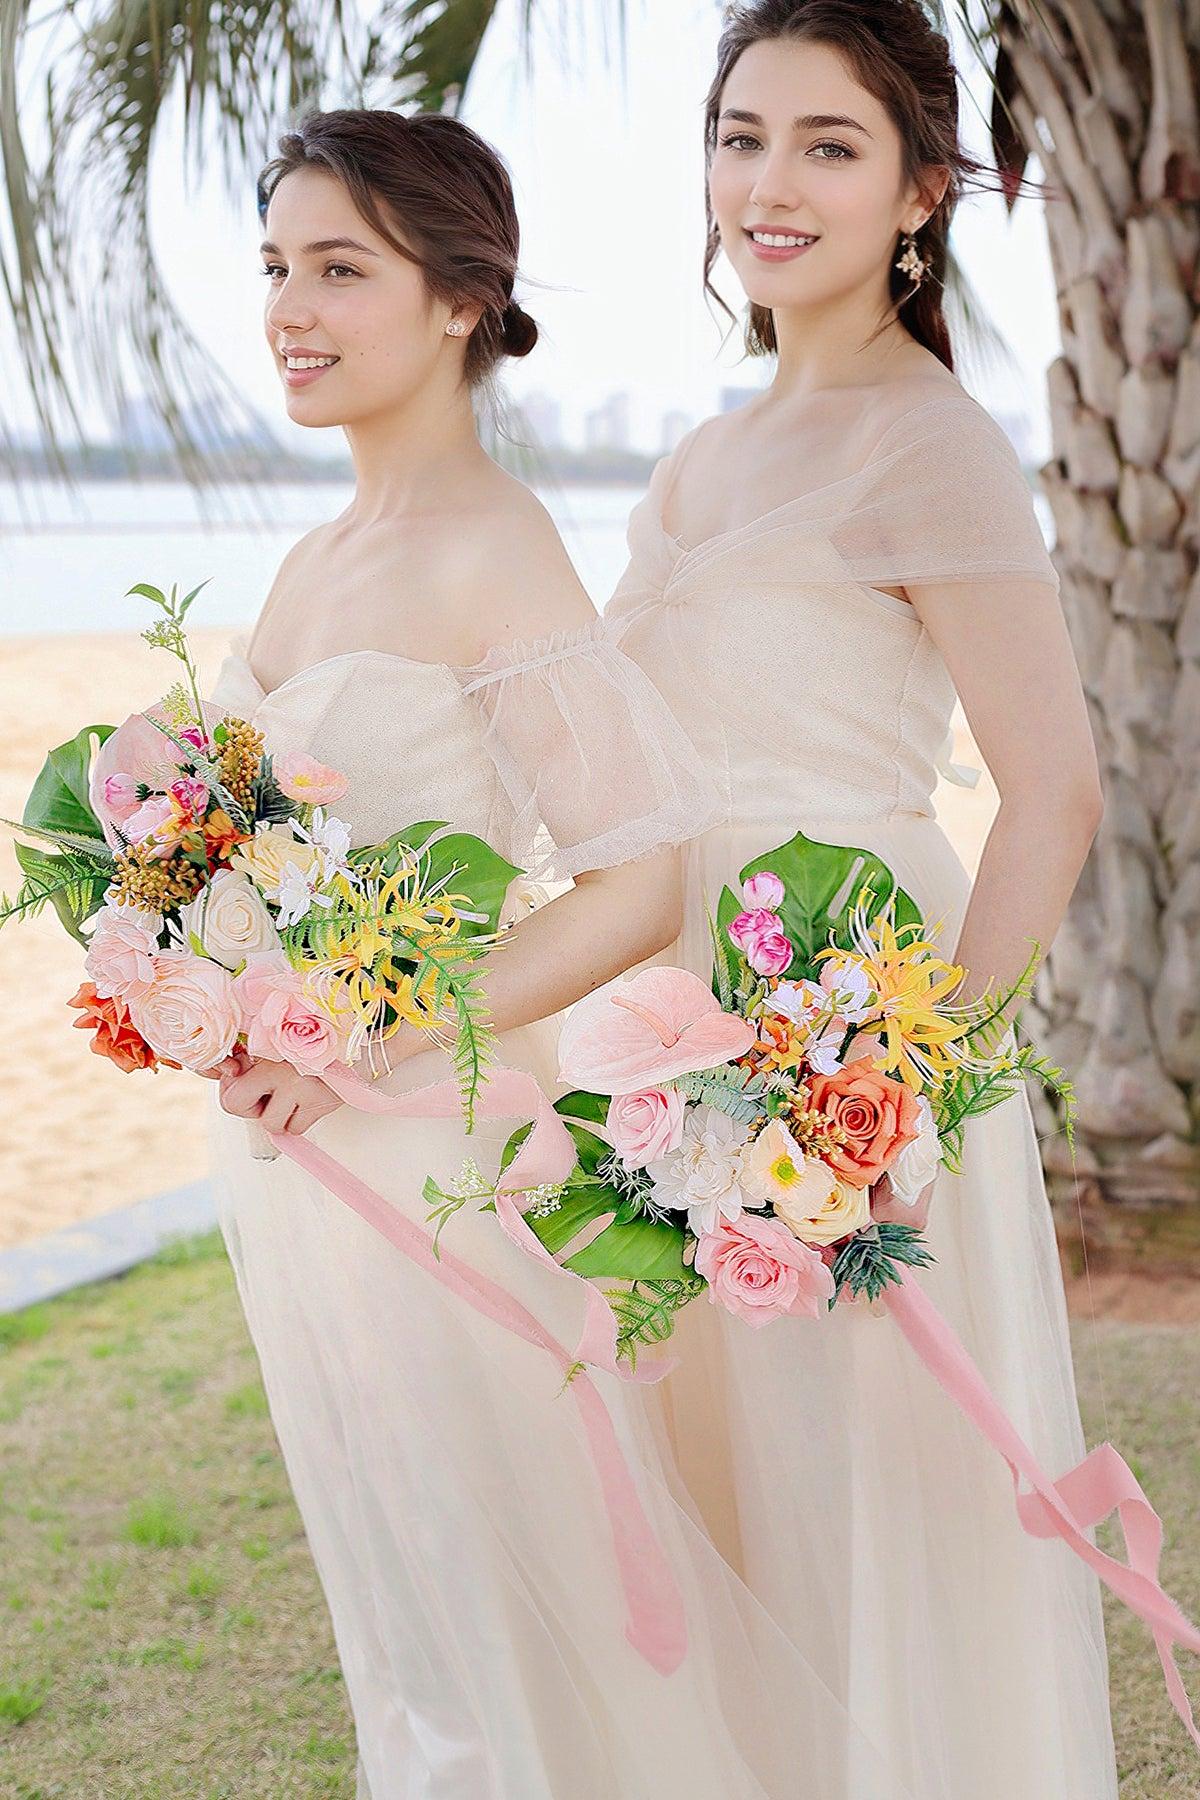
x=878, y=1115
x=115, y=1036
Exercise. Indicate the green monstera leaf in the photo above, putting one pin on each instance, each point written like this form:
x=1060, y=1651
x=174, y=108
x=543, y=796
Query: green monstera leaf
x=822, y=883
x=58, y=805
x=632, y=1247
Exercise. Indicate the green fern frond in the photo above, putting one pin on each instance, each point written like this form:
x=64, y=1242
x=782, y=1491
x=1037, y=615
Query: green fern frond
x=729, y=1089
x=645, y=1311
x=94, y=847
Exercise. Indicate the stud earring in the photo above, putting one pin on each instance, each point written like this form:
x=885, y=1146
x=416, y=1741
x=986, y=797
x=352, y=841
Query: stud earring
x=910, y=262
x=455, y=328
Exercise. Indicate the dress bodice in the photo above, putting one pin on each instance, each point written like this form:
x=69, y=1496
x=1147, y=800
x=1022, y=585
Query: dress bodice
x=556, y=750
x=401, y=731
x=799, y=677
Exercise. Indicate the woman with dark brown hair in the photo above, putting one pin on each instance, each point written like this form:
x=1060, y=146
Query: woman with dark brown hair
x=813, y=579
x=434, y=645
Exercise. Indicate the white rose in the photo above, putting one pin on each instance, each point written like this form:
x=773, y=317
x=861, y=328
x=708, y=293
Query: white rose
x=230, y=919
x=917, y=1164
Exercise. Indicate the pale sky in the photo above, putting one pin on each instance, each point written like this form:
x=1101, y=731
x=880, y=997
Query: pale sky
x=608, y=173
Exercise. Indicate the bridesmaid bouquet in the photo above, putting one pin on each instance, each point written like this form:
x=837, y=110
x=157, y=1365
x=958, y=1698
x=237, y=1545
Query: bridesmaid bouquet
x=220, y=902
x=764, y=1139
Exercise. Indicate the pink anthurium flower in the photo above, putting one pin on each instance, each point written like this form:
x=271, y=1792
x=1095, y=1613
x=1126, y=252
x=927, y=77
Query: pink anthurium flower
x=137, y=751
x=636, y=1032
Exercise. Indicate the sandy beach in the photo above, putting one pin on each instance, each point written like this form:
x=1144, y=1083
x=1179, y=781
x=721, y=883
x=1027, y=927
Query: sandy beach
x=77, y=1137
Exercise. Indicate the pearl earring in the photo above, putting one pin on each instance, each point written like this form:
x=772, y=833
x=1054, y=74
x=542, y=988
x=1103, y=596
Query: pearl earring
x=455, y=328
x=910, y=262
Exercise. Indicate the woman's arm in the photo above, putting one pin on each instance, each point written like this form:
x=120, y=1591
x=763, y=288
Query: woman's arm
x=610, y=920
x=1010, y=657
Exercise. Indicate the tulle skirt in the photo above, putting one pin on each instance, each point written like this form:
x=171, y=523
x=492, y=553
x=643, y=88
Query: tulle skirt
x=865, y=1618
x=456, y=1522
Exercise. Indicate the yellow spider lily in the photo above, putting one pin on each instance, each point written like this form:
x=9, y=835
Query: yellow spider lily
x=923, y=1036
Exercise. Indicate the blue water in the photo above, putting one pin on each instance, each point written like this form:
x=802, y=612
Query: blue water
x=67, y=559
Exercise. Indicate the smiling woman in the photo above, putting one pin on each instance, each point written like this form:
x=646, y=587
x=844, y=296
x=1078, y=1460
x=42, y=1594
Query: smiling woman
x=434, y=185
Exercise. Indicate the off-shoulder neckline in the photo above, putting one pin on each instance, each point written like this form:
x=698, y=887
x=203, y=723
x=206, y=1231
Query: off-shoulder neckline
x=498, y=658
x=733, y=532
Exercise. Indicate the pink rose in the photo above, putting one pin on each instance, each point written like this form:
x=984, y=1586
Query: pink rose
x=122, y=951
x=757, y=1270
x=190, y=1011
x=304, y=778
x=647, y=1125
x=120, y=796
x=291, y=1029
x=266, y=972
x=763, y=891
x=758, y=936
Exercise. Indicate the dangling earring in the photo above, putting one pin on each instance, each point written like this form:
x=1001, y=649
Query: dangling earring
x=910, y=262
x=455, y=328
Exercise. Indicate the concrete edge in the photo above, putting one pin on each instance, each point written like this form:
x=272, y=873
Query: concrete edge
x=106, y=1245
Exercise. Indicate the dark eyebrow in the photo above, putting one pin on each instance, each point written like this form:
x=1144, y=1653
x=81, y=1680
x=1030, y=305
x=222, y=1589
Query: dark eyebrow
x=321, y=245
x=808, y=122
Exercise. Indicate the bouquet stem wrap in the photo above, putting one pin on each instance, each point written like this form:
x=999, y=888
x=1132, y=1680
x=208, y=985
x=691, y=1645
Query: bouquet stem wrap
x=655, y=1620
x=1065, y=1508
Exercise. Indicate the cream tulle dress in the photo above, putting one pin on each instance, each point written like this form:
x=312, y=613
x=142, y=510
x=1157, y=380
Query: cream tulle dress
x=862, y=1511
x=446, y=1487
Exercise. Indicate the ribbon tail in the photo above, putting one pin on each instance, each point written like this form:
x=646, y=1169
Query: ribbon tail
x=656, y=1623
x=1068, y=1507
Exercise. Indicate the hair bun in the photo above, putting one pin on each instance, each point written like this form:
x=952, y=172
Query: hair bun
x=518, y=331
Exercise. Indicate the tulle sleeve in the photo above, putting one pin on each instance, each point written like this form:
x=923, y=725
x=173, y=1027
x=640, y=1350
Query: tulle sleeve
x=942, y=498
x=595, y=765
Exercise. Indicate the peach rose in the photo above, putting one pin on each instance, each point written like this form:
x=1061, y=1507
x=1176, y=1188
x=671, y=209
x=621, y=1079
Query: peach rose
x=107, y=1017
x=647, y=1125
x=878, y=1115
x=190, y=1011
x=122, y=949
x=283, y=1024
x=759, y=1271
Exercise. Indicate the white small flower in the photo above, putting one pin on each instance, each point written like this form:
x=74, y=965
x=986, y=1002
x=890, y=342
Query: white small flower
x=297, y=895
x=848, y=988
x=703, y=1173
x=918, y=1162
x=331, y=837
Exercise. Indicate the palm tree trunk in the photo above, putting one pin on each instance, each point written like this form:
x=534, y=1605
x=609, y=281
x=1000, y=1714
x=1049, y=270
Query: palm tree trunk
x=1103, y=92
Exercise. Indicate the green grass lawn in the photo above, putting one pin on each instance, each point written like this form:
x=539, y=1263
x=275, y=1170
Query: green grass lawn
x=162, y=1634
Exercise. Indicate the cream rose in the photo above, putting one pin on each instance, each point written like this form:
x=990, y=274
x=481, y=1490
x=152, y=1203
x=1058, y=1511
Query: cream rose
x=918, y=1162
x=821, y=1209
x=230, y=920
x=190, y=1012
x=265, y=858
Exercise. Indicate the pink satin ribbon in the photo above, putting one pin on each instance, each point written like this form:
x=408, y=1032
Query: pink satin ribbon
x=1065, y=1508
x=655, y=1624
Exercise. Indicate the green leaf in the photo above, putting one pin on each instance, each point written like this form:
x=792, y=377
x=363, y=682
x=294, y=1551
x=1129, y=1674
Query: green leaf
x=58, y=802
x=627, y=1249
x=478, y=870
x=822, y=883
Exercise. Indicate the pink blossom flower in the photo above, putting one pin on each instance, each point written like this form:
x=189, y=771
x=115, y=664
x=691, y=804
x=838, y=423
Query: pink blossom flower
x=191, y=793
x=758, y=936
x=122, y=951
x=757, y=1270
x=304, y=778
x=120, y=796
x=646, y=1125
x=192, y=734
x=763, y=891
